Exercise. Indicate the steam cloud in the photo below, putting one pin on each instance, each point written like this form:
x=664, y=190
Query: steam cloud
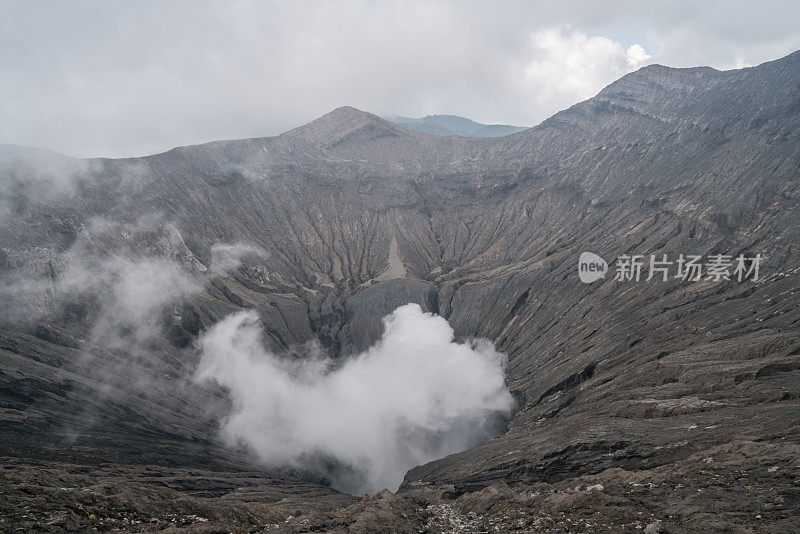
x=131, y=292
x=414, y=396
x=151, y=269
x=226, y=257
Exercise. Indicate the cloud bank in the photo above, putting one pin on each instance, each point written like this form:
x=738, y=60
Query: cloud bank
x=413, y=397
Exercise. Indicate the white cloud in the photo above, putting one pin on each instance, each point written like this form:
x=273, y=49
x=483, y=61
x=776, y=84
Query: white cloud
x=413, y=397
x=567, y=66
x=636, y=56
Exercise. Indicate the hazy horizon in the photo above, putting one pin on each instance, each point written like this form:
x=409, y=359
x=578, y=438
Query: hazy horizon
x=96, y=80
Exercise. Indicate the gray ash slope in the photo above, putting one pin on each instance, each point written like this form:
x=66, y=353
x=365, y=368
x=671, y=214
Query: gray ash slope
x=610, y=375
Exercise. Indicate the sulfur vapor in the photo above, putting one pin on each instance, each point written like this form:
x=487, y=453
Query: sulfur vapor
x=416, y=395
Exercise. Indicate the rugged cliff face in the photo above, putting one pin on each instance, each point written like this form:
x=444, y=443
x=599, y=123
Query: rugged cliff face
x=350, y=216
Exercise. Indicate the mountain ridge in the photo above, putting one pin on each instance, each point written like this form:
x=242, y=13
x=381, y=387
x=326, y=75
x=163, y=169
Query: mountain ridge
x=446, y=125
x=338, y=117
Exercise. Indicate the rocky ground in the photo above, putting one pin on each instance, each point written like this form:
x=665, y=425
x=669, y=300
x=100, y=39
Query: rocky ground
x=737, y=487
x=113, y=497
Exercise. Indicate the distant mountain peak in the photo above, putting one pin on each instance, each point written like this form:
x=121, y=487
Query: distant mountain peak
x=345, y=123
x=346, y=116
x=446, y=125
x=347, y=113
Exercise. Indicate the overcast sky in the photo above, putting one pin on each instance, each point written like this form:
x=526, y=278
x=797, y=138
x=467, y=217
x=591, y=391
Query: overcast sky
x=98, y=78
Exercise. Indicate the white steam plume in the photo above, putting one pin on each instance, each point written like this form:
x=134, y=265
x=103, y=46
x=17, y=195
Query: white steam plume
x=225, y=257
x=130, y=291
x=414, y=396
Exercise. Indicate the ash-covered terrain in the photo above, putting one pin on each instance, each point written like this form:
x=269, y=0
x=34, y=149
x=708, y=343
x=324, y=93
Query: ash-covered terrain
x=624, y=406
